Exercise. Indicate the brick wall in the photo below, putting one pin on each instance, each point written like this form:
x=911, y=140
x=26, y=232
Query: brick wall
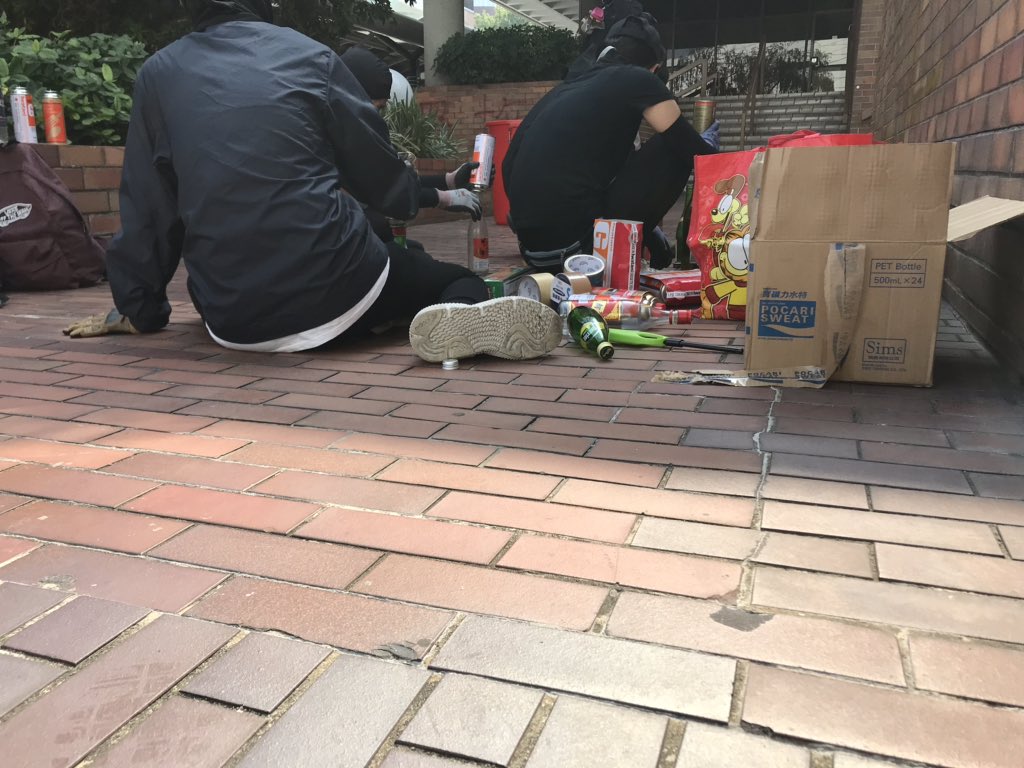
x=868, y=40
x=93, y=174
x=951, y=70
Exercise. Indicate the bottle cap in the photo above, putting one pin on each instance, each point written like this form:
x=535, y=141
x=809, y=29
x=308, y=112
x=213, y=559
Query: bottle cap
x=605, y=350
x=449, y=365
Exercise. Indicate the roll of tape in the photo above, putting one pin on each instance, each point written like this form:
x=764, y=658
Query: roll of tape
x=537, y=287
x=566, y=284
x=588, y=264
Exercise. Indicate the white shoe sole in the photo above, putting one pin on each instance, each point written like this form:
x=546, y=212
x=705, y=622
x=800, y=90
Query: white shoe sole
x=511, y=327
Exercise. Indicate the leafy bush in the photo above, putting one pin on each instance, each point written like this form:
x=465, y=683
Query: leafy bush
x=93, y=74
x=421, y=134
x=516, y=54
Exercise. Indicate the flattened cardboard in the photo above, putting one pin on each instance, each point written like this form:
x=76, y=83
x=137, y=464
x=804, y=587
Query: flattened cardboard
x=965, y=221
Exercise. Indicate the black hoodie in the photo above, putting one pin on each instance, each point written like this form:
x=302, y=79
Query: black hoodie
x=249, y=149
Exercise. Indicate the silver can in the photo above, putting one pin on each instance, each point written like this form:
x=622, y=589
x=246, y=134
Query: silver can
x=23, y=115
x=483, y=153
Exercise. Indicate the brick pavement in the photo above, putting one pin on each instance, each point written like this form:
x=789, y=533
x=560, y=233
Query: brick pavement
x=353, y=558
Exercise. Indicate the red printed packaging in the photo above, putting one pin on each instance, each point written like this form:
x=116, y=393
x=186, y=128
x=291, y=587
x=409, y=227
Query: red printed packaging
x=620, y=244
x=676, y=288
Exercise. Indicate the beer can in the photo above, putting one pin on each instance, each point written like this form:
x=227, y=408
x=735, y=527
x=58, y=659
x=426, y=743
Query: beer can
x=483, y=153
x=622, y=294
x=53, y=118
x=23, y=115
x=703, y=115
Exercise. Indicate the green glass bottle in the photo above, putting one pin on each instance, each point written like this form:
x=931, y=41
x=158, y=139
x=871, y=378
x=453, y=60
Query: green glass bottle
x=683, y=258
x=590, y=331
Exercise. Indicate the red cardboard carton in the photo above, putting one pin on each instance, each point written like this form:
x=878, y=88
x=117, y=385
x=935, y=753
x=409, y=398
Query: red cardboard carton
x=620, y=244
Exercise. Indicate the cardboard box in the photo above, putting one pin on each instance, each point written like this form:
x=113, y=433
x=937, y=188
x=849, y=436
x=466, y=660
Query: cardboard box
x=847, y=258
x=505, y=281
x=620, y=244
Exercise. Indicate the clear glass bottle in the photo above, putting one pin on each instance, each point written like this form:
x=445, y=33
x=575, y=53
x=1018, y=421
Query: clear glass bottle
x=478, y=247
x=624, y=314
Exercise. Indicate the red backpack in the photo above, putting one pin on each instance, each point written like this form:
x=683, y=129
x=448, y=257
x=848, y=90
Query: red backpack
x=44, y=241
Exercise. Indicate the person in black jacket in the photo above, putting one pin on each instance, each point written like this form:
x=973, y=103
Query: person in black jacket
x=572, y=159
x=251, y=149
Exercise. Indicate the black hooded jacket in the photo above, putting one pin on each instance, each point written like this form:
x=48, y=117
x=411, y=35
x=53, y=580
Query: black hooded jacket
x=248, y=148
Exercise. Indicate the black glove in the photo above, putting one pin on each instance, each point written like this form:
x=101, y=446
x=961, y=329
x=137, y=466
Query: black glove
x=660, y=249
x=459, y=178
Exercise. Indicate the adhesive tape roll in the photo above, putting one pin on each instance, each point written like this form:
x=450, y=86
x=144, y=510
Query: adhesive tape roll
x=537, y=287
x=588, y=264
x=566, y=284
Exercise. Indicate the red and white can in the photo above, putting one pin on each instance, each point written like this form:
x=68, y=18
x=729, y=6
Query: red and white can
x=483, y=153
x=23, y=115
x=53, y=118
x=678, y=288
x=620, y=244
x=621, y=294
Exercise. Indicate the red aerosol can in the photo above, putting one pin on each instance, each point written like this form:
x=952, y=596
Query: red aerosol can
x=53, y=118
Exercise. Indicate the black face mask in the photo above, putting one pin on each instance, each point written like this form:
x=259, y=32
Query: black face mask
x=206, y=13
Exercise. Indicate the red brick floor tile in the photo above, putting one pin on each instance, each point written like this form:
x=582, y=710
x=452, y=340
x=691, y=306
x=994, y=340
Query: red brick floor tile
x=880, y=720
x=207, y=506
x=167, y=378
x=44, y=409
x=697, y=538
x=852, y=558
x=999, y=486
x=414, y=536
x=264, y=413
x=815, y=446
x=346, y=621
x=1014, y=540
x=978, y=441
x=594, y=397
x=625, y=566
x=563, y=411
x=351, y=492
x=665, y=679
x=461, y=416
x=20, y=603
x=39, y=378
x=352, y=365
x=705, y=745
x=473, y=718
x=410, y=447
x=10, y=548
x=163, y=442
x=870, y=472
x=22, y=678
x=313, y=459
x=837, y=413
x=258, y=673
x=481, y=590
x=89, y=526
x=532, y=441
x=949, y=458
x=421, y=397
x=872, y=526
x=795, y=425
x=458, y=477
x=679, y=455
x=71, y=485
x=108, y=384
x=317, y=396
x=584, y=468
x=679, y=505
x=194, y=471
x=276, y=557
x=815, y=492
x=793, y=641
x=405, y=381
x=196, y=392
x=499, y=388
x=578, y=731
x=47, y=429
x=969, y=669
x=643, y=434
x=60, y=454
x=337, y=704
x=156, y=403
x=133, y=580
x=60, y=728
x=1006, y=425
x=713, y=481
x=182, y=364
x=272, y=433
x=400, y=757
x=76, y=629
x=946, y=505
x=993, y=618
x=10, y=501
x=282, y=371
x=41, y=392
x=382, y=425
x=183, y=733
x=971, y=573
x=77, y=356
x=580, y=522
x=146, y=420
x=719, y=438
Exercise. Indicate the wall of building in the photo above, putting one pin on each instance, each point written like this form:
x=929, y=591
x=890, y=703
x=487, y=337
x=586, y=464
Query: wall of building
x=951, y=70
x=93, y=174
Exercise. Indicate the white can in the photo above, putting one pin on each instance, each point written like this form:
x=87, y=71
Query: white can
x=23, y=115
x=483, y=153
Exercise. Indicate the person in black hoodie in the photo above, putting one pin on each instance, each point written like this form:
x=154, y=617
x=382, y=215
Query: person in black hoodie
x=251, y=149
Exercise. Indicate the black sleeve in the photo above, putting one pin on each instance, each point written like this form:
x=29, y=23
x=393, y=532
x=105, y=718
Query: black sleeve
x=641, y=88
x=429, y=197
x=372, y=170
x=434, y=182
x=143, y=257
x=683, y=139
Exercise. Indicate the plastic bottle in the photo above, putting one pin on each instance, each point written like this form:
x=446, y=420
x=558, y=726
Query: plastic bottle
x=590, y=331
x=478, y=247
x=625, y=314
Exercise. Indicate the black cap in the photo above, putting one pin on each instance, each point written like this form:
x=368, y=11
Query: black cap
x=372, y=73
x=641, y=28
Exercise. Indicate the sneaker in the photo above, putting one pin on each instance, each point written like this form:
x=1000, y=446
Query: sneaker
x=513, y=327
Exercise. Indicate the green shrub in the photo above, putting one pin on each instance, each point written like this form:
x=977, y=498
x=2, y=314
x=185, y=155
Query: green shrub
x=517, y=54
x=421, y=134
x=93, y=74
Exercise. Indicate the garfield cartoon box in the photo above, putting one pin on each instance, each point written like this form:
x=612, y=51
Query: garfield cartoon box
x=846, y=259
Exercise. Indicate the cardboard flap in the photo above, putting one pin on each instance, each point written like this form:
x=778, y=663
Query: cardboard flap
x=967, y=220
